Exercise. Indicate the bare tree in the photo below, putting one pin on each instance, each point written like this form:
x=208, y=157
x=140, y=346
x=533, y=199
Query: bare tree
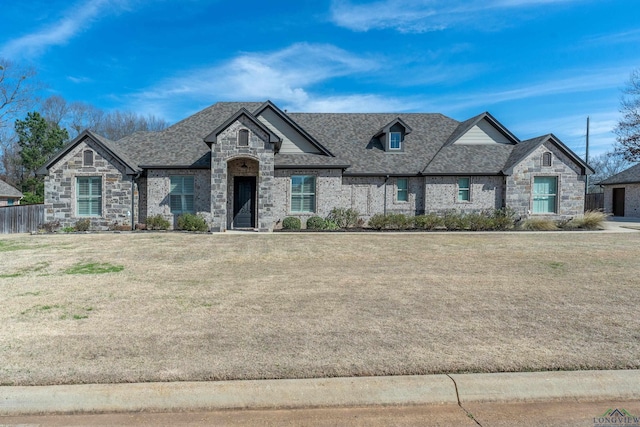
x=606, y=165
x=55, y=109
x=84, y=116
x=628, y=128
x=119, y=124
x=17, y=91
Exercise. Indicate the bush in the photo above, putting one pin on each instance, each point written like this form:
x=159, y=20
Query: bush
x=191, y=222
x=591, y=220
x=68, y=229
x=378, y=221
x=503, y=219
x=455, y=220
x=478, y=221
x=315, y=223
x=330, y=225
x=399, y=222
x=157, y=222
x=428, y=222
x=291, y=223
x=344, y=218
x=51, y=226
x=83, y=224
x=538, y=224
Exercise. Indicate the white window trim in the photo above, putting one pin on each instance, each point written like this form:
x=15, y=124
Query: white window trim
x=458, y=178
x=76, y=197
x=400, y=142
x=315, y=194
x=557, y=194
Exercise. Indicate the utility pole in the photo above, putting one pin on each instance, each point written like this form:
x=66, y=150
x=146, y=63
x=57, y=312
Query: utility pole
x=586, y=159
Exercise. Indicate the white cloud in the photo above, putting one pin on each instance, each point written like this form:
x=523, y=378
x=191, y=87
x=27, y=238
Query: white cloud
x=286, y=76
x=418, y=16
x=76, y=19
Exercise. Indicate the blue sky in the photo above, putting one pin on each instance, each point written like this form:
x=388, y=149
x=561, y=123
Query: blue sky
x=538, y=66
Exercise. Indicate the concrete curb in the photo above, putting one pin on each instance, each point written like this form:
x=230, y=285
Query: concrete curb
x=328, y=392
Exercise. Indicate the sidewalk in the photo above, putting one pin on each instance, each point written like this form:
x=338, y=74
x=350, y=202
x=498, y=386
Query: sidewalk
x=463, y=389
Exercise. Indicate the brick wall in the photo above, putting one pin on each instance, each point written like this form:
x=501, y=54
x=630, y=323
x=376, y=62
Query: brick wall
x=631, y=199
x=441, y=193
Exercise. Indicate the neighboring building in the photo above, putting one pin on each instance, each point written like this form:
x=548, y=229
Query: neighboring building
x=9, y=195
x=250, y=165
x=622, y=193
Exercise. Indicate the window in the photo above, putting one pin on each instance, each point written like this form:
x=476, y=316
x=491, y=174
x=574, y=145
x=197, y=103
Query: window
x=303, y=193
x=403, y=190
x=464, y=190
x=395, y=139
x=9, y=202
x=181, y=195
x=89, y=195
x=243, y=138
x=546, y=159
x=545, y=190
x=87, y=157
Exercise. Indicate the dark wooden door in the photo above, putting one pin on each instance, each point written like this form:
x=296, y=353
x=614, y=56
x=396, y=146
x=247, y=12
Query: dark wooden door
x=618, y=202
x=244, y=190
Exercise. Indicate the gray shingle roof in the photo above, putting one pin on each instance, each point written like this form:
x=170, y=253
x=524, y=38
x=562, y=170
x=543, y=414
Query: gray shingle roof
x=627, y=176
x=350, y=136
x=7, y=190
x=470, y=159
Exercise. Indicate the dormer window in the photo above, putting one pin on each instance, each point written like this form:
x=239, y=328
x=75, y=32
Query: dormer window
x=395, y=140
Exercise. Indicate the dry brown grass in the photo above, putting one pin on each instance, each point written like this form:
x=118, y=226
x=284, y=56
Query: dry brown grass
x=213, y=307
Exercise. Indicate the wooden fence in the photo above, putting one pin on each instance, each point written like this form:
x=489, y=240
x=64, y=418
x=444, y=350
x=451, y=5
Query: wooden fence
x=21, y=219
x=594, y=202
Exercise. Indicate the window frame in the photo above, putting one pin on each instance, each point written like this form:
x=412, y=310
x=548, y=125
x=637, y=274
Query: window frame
x=182, y=193
x=313, y=195
x=391, y=141
x=404, y=190
x=89, y=197
x=547, y=159
x=240, y=138
x=466, y=189
x=539, y=195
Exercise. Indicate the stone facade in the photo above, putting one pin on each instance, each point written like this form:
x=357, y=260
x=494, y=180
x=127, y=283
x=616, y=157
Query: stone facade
x=571, y=184
x=631, y=199
x=156, y=186
x=61, y=192
x=224, y=152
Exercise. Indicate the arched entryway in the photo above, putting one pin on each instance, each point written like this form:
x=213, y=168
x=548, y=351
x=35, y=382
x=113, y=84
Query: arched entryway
x=242, y=200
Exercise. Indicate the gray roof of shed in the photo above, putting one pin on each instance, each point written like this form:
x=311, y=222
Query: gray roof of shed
x=627, y=176
x=8, y=190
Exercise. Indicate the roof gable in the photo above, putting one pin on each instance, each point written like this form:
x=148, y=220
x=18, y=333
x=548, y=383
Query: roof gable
x=482, y=129
x=295, y=139
x=211, y=138
x=105, y=144
x=525, y=148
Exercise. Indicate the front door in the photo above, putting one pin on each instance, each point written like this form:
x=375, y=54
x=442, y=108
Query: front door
x=244, y=190
x=618, y=202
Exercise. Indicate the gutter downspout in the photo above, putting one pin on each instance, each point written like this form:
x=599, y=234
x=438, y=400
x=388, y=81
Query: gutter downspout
x=385, y=194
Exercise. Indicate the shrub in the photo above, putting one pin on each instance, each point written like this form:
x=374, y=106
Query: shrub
x=538, y=224
x=291, y=223
x=591, y=220
x=344, y=218
x=330, y=225
x=315, y=223
x=503, y=219
x=399, y=222
x=455, y=220
x=51, y=226
x=83, y=224
x=191, y=222
x=428, y=222
x=68, y=229
x=481, y=221
x=378, y=221
x=157, y=222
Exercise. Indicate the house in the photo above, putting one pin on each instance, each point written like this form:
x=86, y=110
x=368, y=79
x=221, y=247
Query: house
x=622, y=193
x=250, y=165
x=9, y=195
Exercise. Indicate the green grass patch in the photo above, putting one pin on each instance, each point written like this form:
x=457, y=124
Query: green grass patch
x=11, y=246
x=94, y=268
x=9, y=275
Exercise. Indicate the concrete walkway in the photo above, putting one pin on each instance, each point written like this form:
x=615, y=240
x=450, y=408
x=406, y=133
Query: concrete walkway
x=455, y=389
x=621, y=224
